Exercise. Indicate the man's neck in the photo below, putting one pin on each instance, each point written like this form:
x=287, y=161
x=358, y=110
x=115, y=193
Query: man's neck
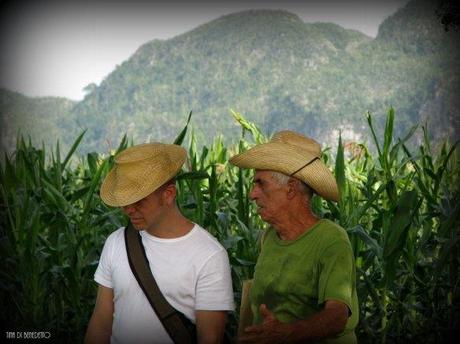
x=295, y=222
x=172, y=225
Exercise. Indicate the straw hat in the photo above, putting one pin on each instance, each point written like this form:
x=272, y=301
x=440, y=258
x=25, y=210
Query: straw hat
x=139, y=171
x=294, y=155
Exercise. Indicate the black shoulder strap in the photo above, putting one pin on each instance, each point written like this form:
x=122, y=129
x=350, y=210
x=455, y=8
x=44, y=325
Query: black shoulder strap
x=173, y=321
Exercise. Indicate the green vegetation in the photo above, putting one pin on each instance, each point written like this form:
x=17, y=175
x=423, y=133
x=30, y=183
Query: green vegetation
x=400, y=209
x=282, y=73
x=44, y=118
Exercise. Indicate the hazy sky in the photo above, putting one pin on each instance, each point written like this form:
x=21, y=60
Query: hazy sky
x=56, y=48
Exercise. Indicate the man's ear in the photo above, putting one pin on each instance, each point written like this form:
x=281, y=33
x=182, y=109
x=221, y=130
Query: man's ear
x=292, y=188
x=169, y=194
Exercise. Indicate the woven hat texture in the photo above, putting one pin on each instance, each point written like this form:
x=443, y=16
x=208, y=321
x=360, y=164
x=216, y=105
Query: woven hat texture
x=294, y=155
x=139, y=171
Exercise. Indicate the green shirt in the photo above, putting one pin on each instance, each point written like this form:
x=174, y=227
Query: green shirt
x=295, y=278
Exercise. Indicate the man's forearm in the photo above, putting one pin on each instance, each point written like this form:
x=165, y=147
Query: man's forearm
x=98, y=331
x=210, y=326
x=327, y=323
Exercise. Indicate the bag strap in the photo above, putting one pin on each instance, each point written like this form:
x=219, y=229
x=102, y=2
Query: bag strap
x=172, y=320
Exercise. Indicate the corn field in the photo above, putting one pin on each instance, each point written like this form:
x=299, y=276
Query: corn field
x=399, y=205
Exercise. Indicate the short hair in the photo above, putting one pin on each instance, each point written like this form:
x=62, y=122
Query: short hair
x=171, y=181
x=283, y=179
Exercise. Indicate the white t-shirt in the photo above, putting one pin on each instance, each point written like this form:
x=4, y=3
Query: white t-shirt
x=192, y=272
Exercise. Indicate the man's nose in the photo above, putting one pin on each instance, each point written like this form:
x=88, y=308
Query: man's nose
x=129, y=209
x=253, y=194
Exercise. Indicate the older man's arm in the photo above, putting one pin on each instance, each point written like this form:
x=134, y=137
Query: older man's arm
x=210, y=326
x=327, y=323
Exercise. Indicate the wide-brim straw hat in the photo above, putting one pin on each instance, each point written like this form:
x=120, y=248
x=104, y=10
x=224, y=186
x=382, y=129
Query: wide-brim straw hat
x=139, y=171
x=294, y=155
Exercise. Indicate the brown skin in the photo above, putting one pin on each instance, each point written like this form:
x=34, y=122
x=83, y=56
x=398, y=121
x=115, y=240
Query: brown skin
x=327, y=323
x=100, y=325
x=282, y=206
x=159, y=216
x=288, y=210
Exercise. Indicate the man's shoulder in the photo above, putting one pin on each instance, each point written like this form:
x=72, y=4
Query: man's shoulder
x=205, y=238
x=333, y=230
x=205, y=243
x=330, y=225
x=200, y=247
x=117, y=236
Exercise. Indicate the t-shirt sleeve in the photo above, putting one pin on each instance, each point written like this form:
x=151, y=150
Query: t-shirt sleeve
x=214, y=286
x=103, y=274
x=336, y=276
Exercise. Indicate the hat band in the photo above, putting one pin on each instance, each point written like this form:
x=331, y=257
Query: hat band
x=308, y=163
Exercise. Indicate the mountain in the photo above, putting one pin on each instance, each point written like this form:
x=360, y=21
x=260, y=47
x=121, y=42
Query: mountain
x=45, y=119
x=416, y=31
x=280, y=72
x=246, y=61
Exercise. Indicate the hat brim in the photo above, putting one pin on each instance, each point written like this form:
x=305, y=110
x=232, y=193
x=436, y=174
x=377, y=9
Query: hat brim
x=122, y=191
x=289, y=160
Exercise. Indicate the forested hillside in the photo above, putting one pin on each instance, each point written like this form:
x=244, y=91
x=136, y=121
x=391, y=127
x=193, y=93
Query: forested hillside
x=281, y=73
x=44, y=119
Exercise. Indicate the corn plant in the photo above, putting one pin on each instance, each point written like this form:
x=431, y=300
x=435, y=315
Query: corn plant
x=399, y=204
x=52, y=226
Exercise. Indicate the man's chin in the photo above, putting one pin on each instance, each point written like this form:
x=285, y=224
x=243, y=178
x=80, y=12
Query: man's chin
x=264, y=216
x=261, y=214
x=138, y=226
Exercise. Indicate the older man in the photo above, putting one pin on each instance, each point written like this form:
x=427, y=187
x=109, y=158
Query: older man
x=304, y=286
x=190, y=267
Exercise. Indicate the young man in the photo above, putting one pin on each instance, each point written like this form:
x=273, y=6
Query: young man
x=190, y=267
x=304, y=286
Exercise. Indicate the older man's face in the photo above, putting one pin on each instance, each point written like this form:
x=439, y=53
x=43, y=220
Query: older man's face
x=269, y=196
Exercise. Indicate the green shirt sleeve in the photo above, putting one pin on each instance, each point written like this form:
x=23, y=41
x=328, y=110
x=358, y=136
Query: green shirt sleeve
x=336, y=274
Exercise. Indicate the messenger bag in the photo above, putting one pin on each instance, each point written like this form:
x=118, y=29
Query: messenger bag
x=177, y=325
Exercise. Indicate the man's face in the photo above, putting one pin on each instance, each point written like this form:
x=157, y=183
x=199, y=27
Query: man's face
x=146, y=212
x=269, y=195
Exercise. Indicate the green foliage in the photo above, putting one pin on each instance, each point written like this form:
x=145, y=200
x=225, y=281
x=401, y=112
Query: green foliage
x=45, y=119
x=400, y=209
x=52, y=226
x=399, y=239
x=280, y=71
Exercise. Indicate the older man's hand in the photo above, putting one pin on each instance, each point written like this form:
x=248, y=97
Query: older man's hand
x=271, y=330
